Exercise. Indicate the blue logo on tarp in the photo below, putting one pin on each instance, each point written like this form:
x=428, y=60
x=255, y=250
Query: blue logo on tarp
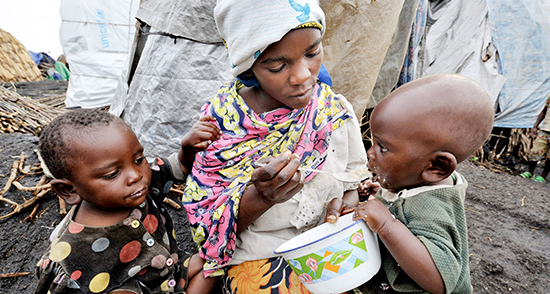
x=102, y=28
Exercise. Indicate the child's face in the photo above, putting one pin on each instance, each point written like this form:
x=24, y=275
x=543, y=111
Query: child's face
x=287, y=70
x=109, y=169
x=397, y=156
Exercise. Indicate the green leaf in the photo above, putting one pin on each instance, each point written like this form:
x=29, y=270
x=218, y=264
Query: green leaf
x=340, y=257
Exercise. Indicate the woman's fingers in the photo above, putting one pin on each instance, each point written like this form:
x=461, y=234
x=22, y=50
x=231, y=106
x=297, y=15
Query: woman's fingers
x=278, y=180
x=334, y=209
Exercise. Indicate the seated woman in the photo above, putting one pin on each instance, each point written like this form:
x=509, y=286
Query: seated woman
x=245, y=195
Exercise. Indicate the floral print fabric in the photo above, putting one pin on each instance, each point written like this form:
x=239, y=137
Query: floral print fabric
x=272, y=275
x=222, y=172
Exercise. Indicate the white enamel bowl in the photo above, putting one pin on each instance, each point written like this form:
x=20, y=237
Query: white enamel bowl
x=333, y=258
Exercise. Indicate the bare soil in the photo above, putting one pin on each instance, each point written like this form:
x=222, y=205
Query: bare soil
x=508, y=222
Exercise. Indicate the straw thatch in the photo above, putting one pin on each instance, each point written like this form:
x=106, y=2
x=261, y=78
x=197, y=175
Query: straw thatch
x=15, y=63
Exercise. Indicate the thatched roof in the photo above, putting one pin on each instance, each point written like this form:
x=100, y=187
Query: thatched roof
x=16, y=65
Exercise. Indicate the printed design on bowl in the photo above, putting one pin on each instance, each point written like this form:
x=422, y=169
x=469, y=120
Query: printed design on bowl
x=331, y=261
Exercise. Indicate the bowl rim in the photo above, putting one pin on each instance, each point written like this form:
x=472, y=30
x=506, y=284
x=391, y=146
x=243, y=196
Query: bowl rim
x=317, y=240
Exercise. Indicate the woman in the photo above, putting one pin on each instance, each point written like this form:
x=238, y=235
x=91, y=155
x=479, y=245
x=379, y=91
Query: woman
x=245, y=195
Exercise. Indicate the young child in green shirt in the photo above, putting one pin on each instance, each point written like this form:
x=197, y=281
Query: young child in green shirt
x=415, y=203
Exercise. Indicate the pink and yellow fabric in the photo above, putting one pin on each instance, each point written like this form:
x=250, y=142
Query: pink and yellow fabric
x=222, y=172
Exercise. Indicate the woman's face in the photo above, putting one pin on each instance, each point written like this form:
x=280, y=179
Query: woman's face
x=287, y=70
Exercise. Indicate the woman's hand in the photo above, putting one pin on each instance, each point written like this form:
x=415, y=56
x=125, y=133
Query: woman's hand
x=276, y=180
x=342, y=206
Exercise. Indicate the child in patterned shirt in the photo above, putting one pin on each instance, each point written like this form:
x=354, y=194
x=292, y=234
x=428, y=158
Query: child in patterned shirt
x=117, y=237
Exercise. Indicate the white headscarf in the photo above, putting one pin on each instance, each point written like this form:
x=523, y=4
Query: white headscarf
x=248, y=27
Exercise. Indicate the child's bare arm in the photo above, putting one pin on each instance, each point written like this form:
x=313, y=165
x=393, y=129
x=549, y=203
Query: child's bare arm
x=202, y=134
x=409, y=252
x=197, y=282
x=342, y=206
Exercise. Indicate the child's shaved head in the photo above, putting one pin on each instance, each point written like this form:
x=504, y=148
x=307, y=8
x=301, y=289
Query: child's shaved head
x=447, y=112
x=55, y=147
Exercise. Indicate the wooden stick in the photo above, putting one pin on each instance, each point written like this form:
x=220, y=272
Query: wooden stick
x=19, y=207
x=13, y=174
x=41, y=182
x=62, y=206
x=176, y=190
x=14, y=275
x=473, y=210
x=33, y=213
x=30, y=189
x=21, y=161
x=172, y=203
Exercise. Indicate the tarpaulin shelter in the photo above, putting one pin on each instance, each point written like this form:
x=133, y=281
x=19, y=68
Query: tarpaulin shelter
x=502, y=44
x=358, y=37
x=96, y=37
x=49, y=67
x=183, y=62
x=521, y=33
x=178, y=63
x=371, y=47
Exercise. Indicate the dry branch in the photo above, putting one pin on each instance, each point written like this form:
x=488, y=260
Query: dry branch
x=13, y=174
x=24, y=115
x=30, y=189
x=62, y=205
x=33, y=213
x=38, y=191
x=172, y=203
x=26, y=204
x=14, y=275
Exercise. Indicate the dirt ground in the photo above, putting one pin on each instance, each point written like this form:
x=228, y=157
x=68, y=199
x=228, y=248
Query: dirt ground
x=508, y=222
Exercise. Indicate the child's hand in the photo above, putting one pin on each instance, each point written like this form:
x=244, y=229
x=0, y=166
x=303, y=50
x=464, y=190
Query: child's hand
x=201, y=134
x=374, y=213
x=534, y=132
x=198, y=138
x=368, y=188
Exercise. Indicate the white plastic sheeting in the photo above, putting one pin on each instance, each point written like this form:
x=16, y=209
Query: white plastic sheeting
x=171, y=83
x=459, y=41
x=182, y=64
x=96, y=37
x=521, y=32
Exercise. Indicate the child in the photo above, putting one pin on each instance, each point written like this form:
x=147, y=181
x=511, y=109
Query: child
x=420, y=133
x=541, y=146
x=278, y=113
x=117, y=237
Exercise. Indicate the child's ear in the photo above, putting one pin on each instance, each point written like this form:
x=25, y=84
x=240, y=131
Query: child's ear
x=65, y=189
x=442, y=165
